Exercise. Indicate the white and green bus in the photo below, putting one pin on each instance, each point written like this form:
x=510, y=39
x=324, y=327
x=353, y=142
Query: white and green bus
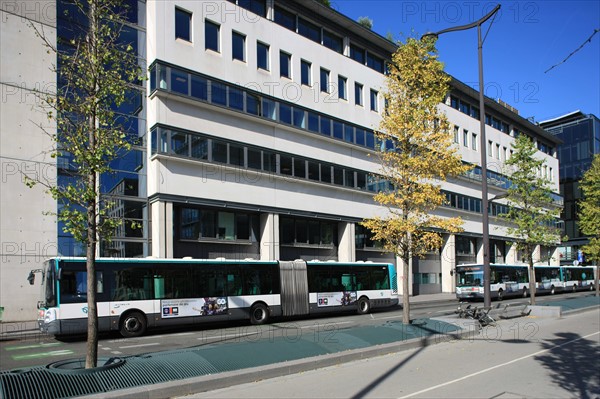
x=140, y=293
x=513, y=280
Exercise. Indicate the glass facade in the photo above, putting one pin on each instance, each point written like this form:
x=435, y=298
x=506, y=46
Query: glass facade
x=124, y=187
x=580, y=134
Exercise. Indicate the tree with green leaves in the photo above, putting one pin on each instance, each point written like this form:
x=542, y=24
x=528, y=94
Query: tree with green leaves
x=96, y=72
x=589, y=215
x=531, y=214
x=365, y=22
x=416, y=155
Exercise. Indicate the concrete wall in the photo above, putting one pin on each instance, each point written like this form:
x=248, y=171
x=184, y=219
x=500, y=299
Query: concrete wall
x=27, y=236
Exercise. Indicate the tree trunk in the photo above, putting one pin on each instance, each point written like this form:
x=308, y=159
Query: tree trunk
x=405, y=292
x=91, y=358
x=531, y=283
x=597, y=280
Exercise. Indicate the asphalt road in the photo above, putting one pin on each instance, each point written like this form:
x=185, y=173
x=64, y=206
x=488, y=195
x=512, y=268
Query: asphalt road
x=520, y=358
x=38, y=349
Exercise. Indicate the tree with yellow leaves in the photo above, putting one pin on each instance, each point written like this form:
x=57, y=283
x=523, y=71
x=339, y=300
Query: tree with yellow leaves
x=416, y=155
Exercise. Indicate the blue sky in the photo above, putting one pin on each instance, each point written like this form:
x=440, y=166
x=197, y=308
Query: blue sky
x=525, y=40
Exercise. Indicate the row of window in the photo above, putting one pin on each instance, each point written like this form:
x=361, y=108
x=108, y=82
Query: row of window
x=473, y=111
x=222, y=226
x=197, y=146
x=328, y=39
x=244, y=100
x=494, y=150
x=209, y=224
x=263, y=60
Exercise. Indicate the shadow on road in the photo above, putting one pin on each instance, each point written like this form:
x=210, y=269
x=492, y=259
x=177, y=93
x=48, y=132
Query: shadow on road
x=572, y=360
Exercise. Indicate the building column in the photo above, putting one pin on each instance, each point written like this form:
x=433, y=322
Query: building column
x=448, y=263
x=537, y=255
x=162, y=229
x=555, y=258
x=269, y=236
x=480, y=251
x=271, y=10
x=347, y=242
x=512, y=255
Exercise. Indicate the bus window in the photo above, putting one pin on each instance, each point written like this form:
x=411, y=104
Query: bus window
x=380, y=279
x=73, y=287
x=133, y=284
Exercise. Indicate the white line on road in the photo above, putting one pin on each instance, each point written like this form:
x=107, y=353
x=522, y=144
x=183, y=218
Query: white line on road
x=496, y=366
x=140, y=345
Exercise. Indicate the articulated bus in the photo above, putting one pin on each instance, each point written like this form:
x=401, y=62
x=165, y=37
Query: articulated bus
x=136, y=294
x=513, y=280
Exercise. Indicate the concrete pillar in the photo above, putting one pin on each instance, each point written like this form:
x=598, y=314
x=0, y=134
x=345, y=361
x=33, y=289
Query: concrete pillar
x=480, y=250
x=512, y=257
x=269, y=236
x=555, y=258
x=347, y=243
x=271, y=10
x=448, y=263
x=162, y=229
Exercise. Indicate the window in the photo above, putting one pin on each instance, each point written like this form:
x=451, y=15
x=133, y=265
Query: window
x=342, y=87
x=285, y=64
x=357, y=54
x=465, y=137
x=374, y=106
x=358, y=89
x=183, y=24
x=262, y=56
x=374, y=62
x=456, y=132
x=309, y=30
x=285, y=18
x=305, y=73
x=211, y=36
x=333, y=42
x=258, y=7
x=324, y=80
x=238, y=46
x=474, y=141
x=490, y=148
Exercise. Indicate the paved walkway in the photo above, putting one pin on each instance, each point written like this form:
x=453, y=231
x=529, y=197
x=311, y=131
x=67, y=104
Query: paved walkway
x=525, y=358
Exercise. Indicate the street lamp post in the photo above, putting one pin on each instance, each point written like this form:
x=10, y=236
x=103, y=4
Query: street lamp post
x=487, y=300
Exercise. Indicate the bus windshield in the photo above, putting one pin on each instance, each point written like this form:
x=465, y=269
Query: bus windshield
x=469, y=277
x=49, y=285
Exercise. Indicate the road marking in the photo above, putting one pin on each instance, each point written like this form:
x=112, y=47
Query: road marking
x=496, y=366
x=34, y=346
x=139, y=345
x=228, y=336
x=43, y=354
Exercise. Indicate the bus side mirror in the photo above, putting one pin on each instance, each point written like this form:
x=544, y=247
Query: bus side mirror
x=452, y=272
x=31, y=278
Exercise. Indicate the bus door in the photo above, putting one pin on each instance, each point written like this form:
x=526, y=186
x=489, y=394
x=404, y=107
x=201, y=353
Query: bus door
x=294, y=288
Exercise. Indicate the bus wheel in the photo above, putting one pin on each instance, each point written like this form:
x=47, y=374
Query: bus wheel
x=574, y=288
x=364, y=306
x=524, y=292
x=500, y=294
x=552, y=290
x=259, y=314
x=133, y=325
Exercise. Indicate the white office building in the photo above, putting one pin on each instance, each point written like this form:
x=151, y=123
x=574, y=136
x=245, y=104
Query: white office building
x=258, y=123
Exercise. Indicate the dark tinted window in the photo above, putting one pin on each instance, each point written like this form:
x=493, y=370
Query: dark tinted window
x=183, y=25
